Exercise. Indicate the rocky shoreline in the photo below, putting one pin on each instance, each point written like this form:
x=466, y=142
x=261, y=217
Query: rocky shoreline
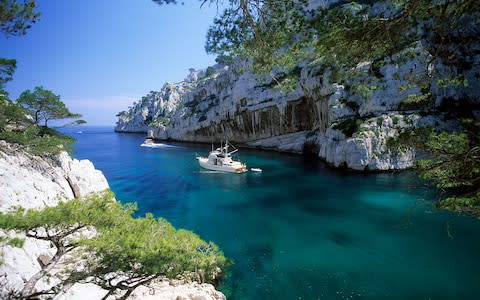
x=35, y=182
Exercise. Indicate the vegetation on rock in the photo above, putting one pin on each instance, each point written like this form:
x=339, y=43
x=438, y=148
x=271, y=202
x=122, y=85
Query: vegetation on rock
x=19, y=124
x=117, y=251
x=454, y=166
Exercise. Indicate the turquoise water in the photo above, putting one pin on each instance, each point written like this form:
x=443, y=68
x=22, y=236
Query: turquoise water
x=298, y=230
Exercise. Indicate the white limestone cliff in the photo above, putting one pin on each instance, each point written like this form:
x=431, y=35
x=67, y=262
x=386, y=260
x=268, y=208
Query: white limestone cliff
x=35, y=182
x=319, y=117
x=246, y=109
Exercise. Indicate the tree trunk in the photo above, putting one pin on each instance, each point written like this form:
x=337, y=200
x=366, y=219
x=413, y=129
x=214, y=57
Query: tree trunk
x=29, y=287
x=36, y=116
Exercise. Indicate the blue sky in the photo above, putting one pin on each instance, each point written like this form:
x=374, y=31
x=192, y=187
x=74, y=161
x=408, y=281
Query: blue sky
x=101, y=55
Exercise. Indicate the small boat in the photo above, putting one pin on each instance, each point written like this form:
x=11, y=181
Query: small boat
x=149, y=142
x=221, y=160
x=255, y=169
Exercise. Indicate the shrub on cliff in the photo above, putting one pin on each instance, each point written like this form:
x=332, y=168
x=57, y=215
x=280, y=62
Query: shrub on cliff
x=124, y=252
x=12, y=115
x=19, y=122
x=454, y=166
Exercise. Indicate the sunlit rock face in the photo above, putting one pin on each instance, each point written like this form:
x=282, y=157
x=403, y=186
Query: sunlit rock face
x=34, y=182
x=346, y=121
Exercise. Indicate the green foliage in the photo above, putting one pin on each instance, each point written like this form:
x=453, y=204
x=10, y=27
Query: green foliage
x=44, y=106
x=406, y=55
x=261, y=30
x=365, y=91
x=224, y=60
x=454, y=166
x=134, y=249
x=151, y=246
x=7, y=68
x=348, y=126
x=94, y=210
x=210, y=71
x=122, y=114
x=348, y=36
x=16, y=127
x=16, y=242
x=415, y=101
x=455, y=81
x=16, y=17
x=395, y=120
x=38, y=140
x=406, y=87
x=76, y=122
x=12, y=115
x=165, y=121
x=469, y=205
x=277, y=36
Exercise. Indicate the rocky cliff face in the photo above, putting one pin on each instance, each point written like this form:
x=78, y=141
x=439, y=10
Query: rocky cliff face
x=34, y=182
x=156, y=108
x=343, y=117
x=345, y=121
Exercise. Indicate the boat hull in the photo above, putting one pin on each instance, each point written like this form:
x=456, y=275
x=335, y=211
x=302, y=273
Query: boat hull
x=235, y=168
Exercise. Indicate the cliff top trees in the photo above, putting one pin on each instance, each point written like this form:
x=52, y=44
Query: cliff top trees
x=44, y=106
x=20, y=122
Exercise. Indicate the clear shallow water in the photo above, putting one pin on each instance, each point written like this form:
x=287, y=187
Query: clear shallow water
x=298, y=230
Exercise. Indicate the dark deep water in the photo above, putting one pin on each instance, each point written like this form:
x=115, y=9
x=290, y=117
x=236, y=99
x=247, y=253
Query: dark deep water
x=298, y=230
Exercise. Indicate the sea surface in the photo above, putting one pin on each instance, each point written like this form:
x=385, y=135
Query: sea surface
x=298, y=230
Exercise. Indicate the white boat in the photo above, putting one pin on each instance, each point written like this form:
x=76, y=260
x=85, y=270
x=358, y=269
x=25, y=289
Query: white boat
x=149, y=142
x=221, y=160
